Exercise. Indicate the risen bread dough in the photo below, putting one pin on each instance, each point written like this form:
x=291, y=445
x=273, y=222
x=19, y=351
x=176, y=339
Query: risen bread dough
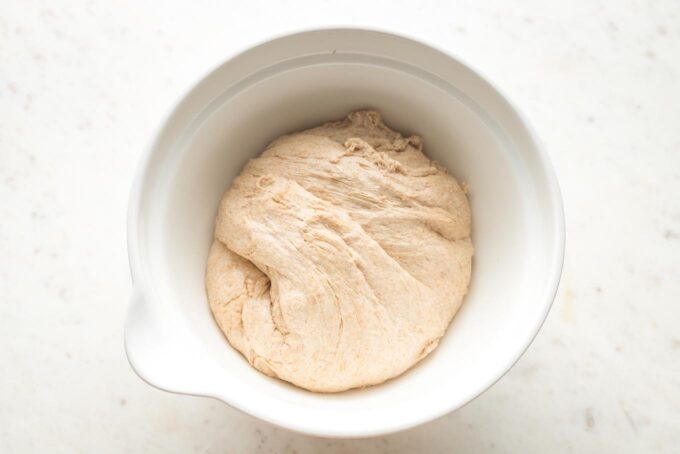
x=341, y=255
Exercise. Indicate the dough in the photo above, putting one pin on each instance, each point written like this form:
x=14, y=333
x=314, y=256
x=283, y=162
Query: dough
x=341, y=255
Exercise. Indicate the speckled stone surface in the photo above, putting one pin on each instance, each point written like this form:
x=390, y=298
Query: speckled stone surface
x=84, y=84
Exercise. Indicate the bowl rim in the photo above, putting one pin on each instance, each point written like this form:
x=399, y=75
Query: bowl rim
x=139, y=276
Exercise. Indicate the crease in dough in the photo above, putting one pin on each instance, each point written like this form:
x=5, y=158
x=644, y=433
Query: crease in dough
x=341, y=255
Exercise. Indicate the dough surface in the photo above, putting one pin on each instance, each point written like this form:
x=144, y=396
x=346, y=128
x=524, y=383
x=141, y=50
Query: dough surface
x=341, y=254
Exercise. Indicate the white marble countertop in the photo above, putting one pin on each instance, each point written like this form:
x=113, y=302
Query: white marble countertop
x=84, y=84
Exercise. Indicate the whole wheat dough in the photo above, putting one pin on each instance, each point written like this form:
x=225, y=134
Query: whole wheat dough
x=341, y=255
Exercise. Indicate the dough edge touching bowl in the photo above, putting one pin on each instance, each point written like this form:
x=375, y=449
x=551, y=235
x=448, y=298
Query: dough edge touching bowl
x=161, y=344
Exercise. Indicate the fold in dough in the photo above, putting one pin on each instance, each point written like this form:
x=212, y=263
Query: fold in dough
x=341, y=255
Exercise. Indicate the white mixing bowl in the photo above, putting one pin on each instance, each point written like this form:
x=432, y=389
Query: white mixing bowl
x=298, y=81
